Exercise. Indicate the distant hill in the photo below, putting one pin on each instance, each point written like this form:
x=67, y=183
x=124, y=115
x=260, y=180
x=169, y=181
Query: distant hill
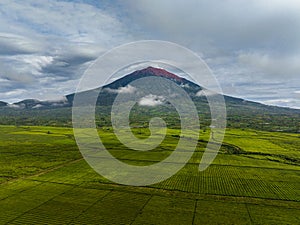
x=3, y=104
x=36, y=104
x=241, y=113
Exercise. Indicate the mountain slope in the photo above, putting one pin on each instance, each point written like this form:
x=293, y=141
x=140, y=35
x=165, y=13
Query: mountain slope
x=108, y=96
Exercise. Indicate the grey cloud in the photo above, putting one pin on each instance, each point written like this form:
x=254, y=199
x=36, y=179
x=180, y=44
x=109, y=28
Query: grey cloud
x=14, y=44
x=14, y=76
x=46, y=46
x=12, y=95
x=281, y=66
x=229, y=24
x=78, y=22
x=252, y=84
x=71, y=61
x=37, y=73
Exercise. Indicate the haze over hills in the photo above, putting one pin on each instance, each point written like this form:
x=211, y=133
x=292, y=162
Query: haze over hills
x=241, y=113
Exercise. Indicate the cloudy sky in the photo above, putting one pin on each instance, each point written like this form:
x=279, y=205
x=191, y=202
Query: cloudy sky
x=253, y=47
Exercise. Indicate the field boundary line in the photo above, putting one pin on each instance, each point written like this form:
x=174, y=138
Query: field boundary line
x=195, y=211
x=187, y=195
x=141, y=209
x=83, y=211
x=26, y=189
x=248, y=211
x=40, y=205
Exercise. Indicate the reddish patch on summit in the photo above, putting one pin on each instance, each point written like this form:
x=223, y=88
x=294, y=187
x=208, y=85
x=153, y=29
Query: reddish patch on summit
x=160, y=73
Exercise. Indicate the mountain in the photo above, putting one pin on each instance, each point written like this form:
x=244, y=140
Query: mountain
x=108, y=96
x=241, y=113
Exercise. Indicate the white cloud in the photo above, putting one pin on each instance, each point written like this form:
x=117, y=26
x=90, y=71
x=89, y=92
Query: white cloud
x=16, y=106
x=14, y=93
x=37, y=106
x=122, y=90
x=205, y=93
x=32, y=63
x=185, y=85
x=285, y=102
x=57, y=99
x=151, y=100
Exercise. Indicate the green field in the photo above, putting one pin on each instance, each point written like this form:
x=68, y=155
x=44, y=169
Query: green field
x=255, y=179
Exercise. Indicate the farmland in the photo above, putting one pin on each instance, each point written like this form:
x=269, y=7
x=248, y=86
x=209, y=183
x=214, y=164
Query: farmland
x=255, y=179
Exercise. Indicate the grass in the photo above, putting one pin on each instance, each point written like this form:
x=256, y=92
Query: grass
x=255, y=179
x=30, y=150
x=274, y=143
